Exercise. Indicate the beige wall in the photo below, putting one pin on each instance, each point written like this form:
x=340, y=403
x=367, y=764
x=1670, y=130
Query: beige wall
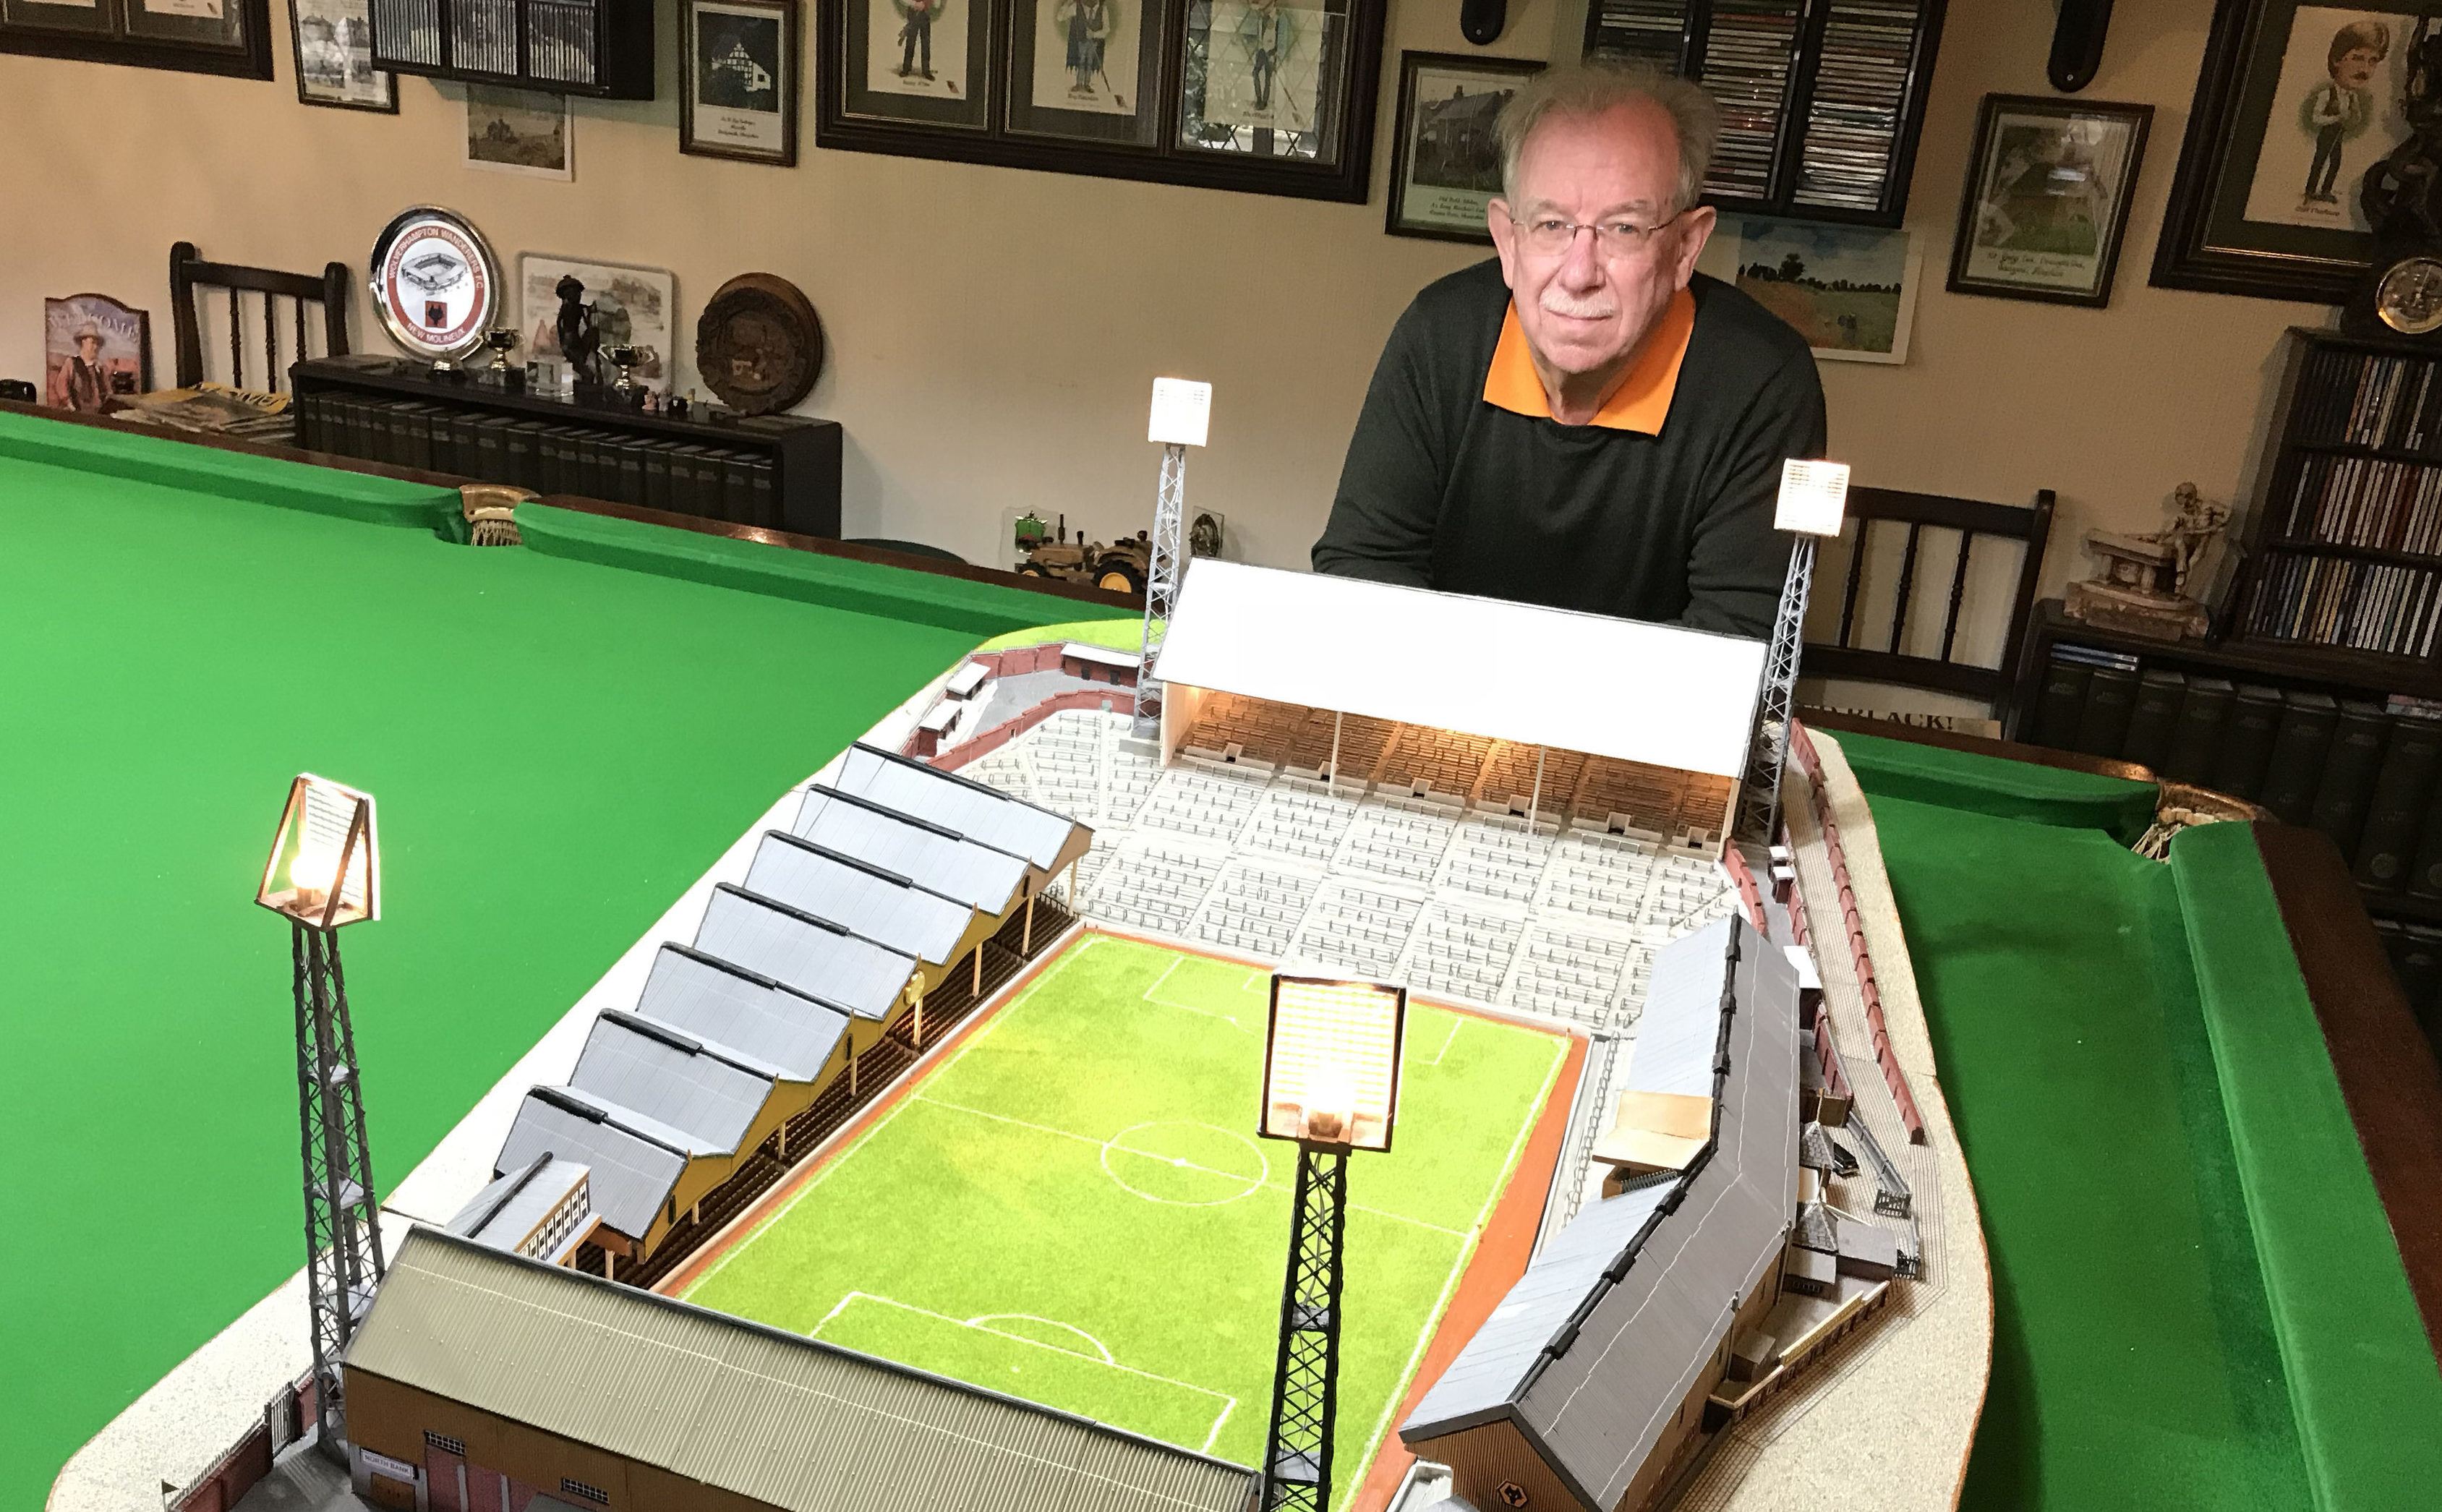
x=992, y=331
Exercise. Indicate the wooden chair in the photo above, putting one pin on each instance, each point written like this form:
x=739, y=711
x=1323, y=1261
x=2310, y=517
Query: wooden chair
x=332, y=289
x=1891, y=509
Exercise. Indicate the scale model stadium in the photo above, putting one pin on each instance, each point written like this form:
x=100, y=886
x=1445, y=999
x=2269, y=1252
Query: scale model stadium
x=911, y=1161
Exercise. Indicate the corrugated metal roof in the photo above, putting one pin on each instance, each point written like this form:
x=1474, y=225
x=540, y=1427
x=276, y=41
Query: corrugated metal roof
x=669, y=1077
x=1616, y=1322
x=880, y=905
x=747, y=1012
x=820, y=959
x=771, y=1416
x=927, y=854
x=982, y=814
x=633, y=1171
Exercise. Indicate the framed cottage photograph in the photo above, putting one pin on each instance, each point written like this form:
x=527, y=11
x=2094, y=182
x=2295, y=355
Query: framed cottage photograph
x=95, y=349
x=230, y=37
x=1445, y=165
x=2293, y=104
x=632, y=306
x=1086, y=70
x=333, y=43
x=740, y=93
x=1849, y=290
x=517, y=131
x=2047, y=198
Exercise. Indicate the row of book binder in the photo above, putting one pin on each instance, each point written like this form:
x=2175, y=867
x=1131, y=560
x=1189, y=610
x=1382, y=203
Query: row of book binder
x=2361, y=771
x=549, y=457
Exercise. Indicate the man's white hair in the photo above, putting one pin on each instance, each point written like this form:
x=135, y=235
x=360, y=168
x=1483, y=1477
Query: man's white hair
x=1601, y=84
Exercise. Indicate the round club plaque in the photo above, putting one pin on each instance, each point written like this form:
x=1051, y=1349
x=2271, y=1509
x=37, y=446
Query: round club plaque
x=759, y=344
x=436, y=284
x=2409, y=296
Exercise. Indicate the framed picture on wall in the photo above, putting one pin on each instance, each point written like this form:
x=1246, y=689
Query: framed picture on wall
x=738, y=96
x=1086, y=69
x=632, y=306
x=518, y=131
x=1445, y=165
x=1272, y=96
x=333, y=43
x=1849, y=290
x=2047, y=198
x=230, y=37
x=2293, y=104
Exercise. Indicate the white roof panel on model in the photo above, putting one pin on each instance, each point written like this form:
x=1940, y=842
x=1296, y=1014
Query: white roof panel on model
x=1655, y=694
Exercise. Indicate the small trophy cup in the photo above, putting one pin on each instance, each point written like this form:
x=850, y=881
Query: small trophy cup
x=627, y=359
x=502, y=340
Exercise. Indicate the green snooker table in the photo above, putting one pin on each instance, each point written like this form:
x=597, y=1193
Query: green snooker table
x=2205, y=1135
x=562, y=737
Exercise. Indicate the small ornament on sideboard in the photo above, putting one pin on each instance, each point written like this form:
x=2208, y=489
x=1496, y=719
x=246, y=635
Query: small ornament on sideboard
x=759, y=344
x=2149, y=583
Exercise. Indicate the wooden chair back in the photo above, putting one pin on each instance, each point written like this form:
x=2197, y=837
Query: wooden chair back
x=1854, y=655
x=330, y=289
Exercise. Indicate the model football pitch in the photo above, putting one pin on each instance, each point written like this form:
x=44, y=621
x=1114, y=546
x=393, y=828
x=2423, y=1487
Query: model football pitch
x=1070, y=1207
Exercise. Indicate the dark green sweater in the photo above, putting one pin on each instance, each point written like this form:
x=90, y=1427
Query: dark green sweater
x=1443, y=490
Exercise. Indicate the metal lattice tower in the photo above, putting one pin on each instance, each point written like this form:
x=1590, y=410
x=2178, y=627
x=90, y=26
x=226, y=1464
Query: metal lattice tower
x=1162, y=581
x=1758, y=817
x=1297, y=1457
x=343, y=1253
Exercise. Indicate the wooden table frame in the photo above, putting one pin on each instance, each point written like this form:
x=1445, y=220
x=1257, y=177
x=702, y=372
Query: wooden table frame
x=2386, y=1068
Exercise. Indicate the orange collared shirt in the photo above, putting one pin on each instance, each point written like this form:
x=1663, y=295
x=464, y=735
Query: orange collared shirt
x=1642, y=400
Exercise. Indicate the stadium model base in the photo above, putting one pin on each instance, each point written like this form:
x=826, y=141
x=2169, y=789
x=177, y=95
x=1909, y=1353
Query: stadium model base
x=933, y=1098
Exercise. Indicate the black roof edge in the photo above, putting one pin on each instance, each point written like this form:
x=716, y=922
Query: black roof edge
x=566, y=1100
x=534, y=1168
x=1444, y=1427
x=678, y=1038
x=881, y=873
x=747, y=974
x=782, y=1335
x=1542, y=1452
x=943, y=830
x=984, y=788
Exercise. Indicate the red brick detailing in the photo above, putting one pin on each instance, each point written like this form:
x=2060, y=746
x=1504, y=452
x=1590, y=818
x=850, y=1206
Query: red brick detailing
x=1801, y=748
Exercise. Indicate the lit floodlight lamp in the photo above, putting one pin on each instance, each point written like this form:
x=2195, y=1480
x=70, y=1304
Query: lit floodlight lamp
x=325, y=870
x=1813, y=497
x=1331, y=1062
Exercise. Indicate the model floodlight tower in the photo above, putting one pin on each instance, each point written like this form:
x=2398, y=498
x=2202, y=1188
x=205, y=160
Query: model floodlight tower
x=1182, y=413
x=323, y=874
x=1813, y=498
x=1331, y=1083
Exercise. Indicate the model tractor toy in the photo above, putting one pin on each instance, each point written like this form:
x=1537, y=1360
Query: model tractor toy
x=1120, y=568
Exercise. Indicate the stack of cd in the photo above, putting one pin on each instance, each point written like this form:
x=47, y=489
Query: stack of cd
x=1652, y=29
x=1853, y=123
x=1749, y=55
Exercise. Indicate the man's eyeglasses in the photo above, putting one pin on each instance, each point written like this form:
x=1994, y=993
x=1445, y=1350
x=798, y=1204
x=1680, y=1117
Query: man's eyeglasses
x=1550, y=236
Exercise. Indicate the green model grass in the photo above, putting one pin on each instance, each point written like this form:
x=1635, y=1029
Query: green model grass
x=1072, y=1208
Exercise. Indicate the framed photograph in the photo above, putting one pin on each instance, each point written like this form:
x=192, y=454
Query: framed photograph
x=229, y=37
x=1445, y=165
x=2047, y=198
x=334, y=49
x=2294, y=103
x=1849, y=290
x=95, y=349
x=517, y=131
x=920, y=62
x=1271, y=97
x=739, y=94
x=631, y=306
x=1086, y=69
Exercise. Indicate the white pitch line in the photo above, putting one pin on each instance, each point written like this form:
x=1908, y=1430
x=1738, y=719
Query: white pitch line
x=1229, y=1403
x=1456, y=1019
x=1099, y=1144
x=1467, y=1251
x=1176, y=960
x=843, y=1158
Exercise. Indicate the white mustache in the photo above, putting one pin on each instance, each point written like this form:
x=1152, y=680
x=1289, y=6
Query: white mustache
x=1554, y=301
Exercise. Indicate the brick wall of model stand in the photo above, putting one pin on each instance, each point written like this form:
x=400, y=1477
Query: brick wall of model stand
x=249, y=1461
x=1802, y=750
x=1114, y=698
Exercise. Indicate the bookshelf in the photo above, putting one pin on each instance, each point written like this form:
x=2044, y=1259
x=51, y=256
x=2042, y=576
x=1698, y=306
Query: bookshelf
x=1821, y=102
x=2344, y=551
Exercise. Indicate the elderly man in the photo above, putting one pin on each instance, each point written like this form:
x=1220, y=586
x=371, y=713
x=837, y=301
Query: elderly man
x=1587, y=421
